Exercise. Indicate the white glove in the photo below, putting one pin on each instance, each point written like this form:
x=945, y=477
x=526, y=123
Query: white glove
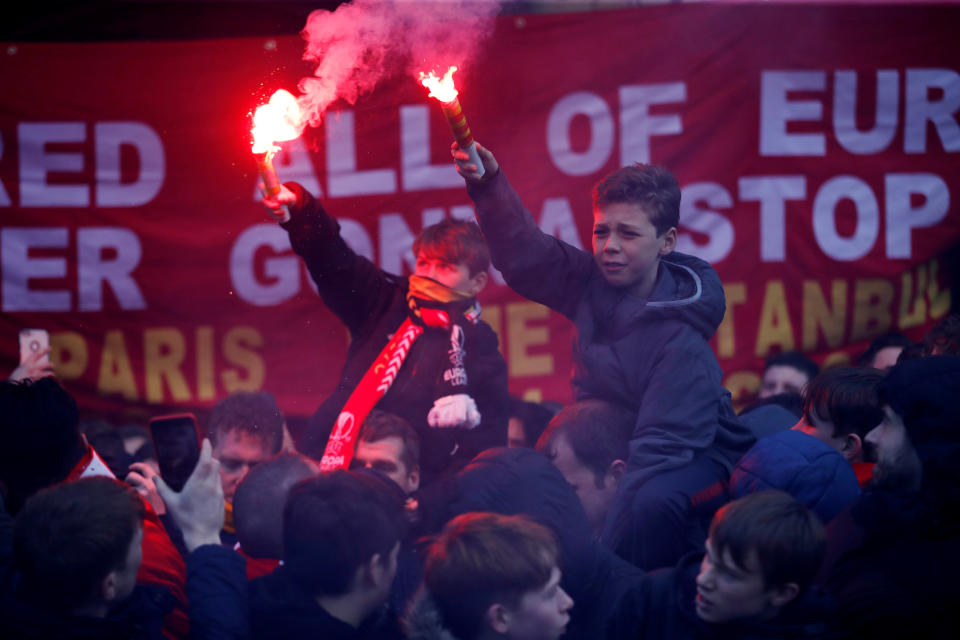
x=454, y=411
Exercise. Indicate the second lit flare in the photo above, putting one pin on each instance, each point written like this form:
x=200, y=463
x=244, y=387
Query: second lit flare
x=443, y=90
x=276, y=121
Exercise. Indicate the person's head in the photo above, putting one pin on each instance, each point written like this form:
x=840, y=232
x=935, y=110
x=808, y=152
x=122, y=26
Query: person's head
x=454, y=253
x=884, y=351
x=636, y=211
x=762, y=552
x=341, y=536
x=41, y=439
x=787, y=372
x=77, y=546
x=588, y=443
x=527, y=422
x=497, y=576
x=259, y=500
x=840, y=407
x=245, y=429
x=388, y=444
x=917, y=445
x=944, y=338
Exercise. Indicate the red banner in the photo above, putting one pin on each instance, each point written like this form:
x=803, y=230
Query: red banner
x=817, y=148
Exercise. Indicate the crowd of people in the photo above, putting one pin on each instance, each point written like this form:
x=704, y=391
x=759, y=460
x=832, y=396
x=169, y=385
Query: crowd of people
x=647, y=508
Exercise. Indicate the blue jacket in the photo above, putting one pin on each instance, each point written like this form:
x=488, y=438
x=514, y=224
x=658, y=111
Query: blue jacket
x=813, y=472
x=651, y=356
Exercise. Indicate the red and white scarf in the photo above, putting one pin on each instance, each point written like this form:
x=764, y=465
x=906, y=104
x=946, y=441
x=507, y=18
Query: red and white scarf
x=431, y=306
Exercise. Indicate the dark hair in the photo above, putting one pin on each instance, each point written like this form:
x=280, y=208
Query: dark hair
x=380, y=425
x=847, y=398
x=597, y=431
x=67, y=538
x=793, y=359
x=41, y=441
x=334, y=523
x=484, y=558
x=880, y=343
x=652, y=187
x=454, y=241
x=254, y=413
x=259, y=500
x=788, y=539
x=944, y=338
x=533, y=416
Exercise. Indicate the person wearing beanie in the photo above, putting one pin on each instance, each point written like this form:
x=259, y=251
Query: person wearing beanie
x=892, y=557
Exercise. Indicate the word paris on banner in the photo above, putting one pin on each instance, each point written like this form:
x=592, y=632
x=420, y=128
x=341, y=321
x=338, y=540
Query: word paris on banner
x=819, y=178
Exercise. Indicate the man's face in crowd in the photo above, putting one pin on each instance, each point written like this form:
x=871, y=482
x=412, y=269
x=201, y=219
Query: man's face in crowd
x=727, y=591
x=596, y=501
x=886, y=358
x=541, y=614
x=626, y=245
x=782, y=379
x=238, y=452
x=516, y=436
x=454, y=276
x=386, y=456
x=898, y=466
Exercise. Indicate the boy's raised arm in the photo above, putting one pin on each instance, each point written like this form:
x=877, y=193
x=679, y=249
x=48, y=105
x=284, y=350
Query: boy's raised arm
x=351, y=286
x=536, y=265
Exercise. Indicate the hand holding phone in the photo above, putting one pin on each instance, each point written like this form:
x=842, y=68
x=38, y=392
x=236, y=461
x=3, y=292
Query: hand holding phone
x=34, y=356
x=177, y=443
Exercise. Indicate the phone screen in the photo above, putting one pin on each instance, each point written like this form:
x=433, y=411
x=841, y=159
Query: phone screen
x=178, y=447
x=32, y=341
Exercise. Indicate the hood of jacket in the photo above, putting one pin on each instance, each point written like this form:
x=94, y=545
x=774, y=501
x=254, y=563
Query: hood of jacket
x=422, y=620
x=687, y=289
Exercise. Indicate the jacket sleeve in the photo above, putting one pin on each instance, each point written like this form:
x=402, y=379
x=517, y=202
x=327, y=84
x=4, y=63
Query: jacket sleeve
x=162, y=565
x=351, y=286
x=536, y=265
x=672, y=427
x=217, y=589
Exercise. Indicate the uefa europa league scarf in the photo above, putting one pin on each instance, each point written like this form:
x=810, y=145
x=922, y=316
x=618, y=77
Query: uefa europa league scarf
x=432, y=306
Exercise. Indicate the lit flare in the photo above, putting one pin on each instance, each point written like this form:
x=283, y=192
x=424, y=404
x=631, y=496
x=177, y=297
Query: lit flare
x=444, y=90
x=277, y=121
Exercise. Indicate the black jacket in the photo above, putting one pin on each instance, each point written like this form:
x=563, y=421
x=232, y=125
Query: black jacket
x=372, y=304
x=280, y=609
x=663, y=607
x=141, y=617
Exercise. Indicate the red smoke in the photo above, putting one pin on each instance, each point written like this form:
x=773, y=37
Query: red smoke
x=366, y=40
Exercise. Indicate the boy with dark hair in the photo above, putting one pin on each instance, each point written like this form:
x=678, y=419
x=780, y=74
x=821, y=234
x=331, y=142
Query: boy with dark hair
x=884, y=351
x=644, y=314
x=388, y=444
x=341, y=536
x=786, y=372
x=453, y=390
x=492, y=576
x=589, y=443
x=527, y=422
x=753, y=582
x=840, y=407
x=77, y=547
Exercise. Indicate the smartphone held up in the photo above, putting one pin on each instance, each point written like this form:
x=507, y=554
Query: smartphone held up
x=176, y=441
